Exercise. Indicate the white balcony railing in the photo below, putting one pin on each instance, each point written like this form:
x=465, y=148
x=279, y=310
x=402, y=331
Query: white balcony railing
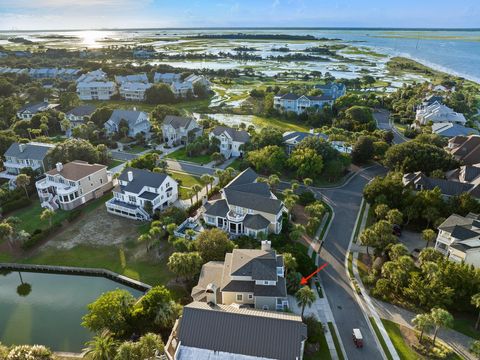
x=233, y=216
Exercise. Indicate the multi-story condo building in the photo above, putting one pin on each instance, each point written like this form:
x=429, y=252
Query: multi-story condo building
x=73, y=184
x=200, y=79
x=231, y=140
x=167, y=78
x=140, y=192
x=179, y=130
x=246, y=207
x=136, y=78
x=459, y=239
x=20, y=156
x=250, y=278
x=96, y=90
x=182, y=89
x=27, y=111
x=138, y=122
x=134, y=91
x=206, y=331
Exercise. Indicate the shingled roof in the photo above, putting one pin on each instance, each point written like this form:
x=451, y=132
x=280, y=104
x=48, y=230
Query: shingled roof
x=236, y=135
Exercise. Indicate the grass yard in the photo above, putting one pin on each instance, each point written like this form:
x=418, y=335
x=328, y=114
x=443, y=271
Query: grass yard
x=186, y=182
x=236, y=164
x=323, y=353
x=135, y=149
x=181, y=155
x=114, y=163
x=281, y=124
x=30, y=217
x=335, y=341
x=380, y=338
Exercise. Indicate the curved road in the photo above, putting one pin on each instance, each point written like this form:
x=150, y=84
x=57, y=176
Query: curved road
x=382, y=117
x=346, y=201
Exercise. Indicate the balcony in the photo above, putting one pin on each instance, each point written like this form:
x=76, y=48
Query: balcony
x=61, y=189
x=234, y=217
x=16, y=165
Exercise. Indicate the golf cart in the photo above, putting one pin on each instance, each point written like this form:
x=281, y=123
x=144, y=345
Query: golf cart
x=357, y=338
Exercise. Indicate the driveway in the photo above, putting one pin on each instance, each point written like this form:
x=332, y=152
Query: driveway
x=347, y=313
x=189, y=168
x=382, y=117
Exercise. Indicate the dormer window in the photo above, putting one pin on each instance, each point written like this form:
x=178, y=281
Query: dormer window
x=280, y=271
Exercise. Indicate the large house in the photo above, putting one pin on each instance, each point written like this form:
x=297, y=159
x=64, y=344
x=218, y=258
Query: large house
x=198, y=79
x=27, y=111
x=51, y=73
x=465, y=149
x=249, y=278
x=70, y=185
x=167, y=78
x=95, y=86
x=450, y=130
x=179, y=130
x=462, y=180
x=78, y=115
x=299, y=103
x=459, y=239
x=20, y=156
x=231, y=140
x=206, y=331
x=182, y=89
x=140, y=190
x=138, y=122
x=292, y=138
x=436, y=113
x=332, y=89
x=134, y=91
x=246, y=207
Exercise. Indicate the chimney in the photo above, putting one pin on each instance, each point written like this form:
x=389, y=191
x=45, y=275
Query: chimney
x=211, y=294
x=59, y=166
x=266, y=245
x=21, y=147
x=130, y=175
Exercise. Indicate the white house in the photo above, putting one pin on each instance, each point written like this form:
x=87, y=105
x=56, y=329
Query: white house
x=140, y=191
x=95, y=86
x=138, y=122
x=182, y=89
x=178, y=130
x=78, y=114
x=436, y=113
x=231, y=140
x=299, y=103
x=134, y=90
x=27, y=111
x=20, y=156
x=459, y=239
x=200, y=79
x=167, y=78
x=246, y=207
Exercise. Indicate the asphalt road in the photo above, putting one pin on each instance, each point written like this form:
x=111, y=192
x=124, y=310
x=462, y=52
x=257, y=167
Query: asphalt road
x=346, y=202
x=382, y=117
x=124, y=156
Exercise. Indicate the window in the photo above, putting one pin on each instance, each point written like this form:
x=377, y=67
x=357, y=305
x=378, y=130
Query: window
x=132, y=198
x=239, y=297
x=265, y=307
x=250, y=296
x=265, y=282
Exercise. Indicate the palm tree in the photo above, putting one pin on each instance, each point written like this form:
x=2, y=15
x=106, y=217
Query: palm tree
x=197, y=188
x=101, y=347
x=47, y=214
x=428, y=235
x=476, y=303
x=6, y=231
x=146, y=239
x=422, y=322
x=441, y=318
x=273, y=181
x=307, y=182
x=23, y=180
x=191, y=195
x=295, y=185
x=297, y=232
x=289, y=262
x=305, y=297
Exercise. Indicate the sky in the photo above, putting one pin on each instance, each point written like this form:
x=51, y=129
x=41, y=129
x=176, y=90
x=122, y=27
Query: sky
x=98, y=14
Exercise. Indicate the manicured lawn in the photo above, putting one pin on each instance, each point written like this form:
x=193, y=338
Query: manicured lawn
x=235, y=164
x=113, y=258
x=323, y=353
x=285, y=125
x=30, y=217
x=181, y=155
x=335, y=341
x=186, y=182
x=359, y=224
x=382, y=341
x=467, y=327
x=114, y=163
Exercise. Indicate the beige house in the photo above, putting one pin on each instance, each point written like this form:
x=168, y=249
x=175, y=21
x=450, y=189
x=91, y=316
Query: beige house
x=70, y=185
x=248, y=278
x=247, y=207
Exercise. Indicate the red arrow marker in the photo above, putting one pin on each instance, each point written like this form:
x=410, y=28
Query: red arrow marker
x=304, y=280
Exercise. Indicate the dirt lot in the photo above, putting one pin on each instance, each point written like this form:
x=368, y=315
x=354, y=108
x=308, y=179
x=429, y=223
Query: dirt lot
x=98, y=227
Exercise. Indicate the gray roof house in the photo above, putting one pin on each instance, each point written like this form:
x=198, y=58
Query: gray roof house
x=249, y=278
x=178, y=130
x=450, y=130
x=300, y=103
x=19, y=156
x=138, y=187
x=27, y=111
x=78, y=114
x=459, y=239
x=292, y=138
x=231, y=140
x=246, y=207
x=332, y=89
x=214, y=332
x=462, y=180
x=138, y=122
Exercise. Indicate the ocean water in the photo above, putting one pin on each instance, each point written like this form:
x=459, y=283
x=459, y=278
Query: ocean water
x=453, y=51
